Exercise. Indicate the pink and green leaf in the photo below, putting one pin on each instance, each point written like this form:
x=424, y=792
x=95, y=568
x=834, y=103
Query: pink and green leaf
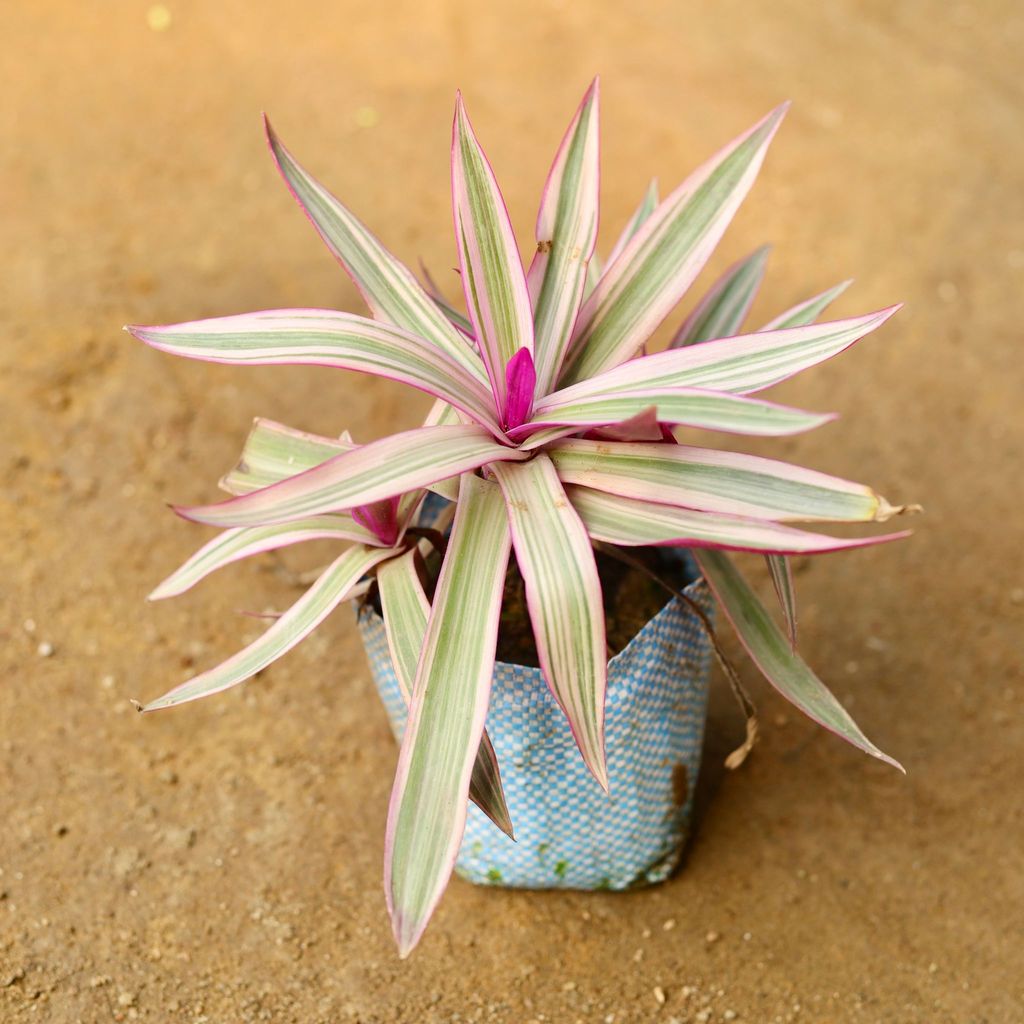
x=693, y=407
x=563, y=594
x=381, y=469
x=389, y=288
x=658, y=265
x=427, y=814
x=236, y=544
x=566, y=235
x=720, y=314
x=716, y=481
x=333, y=586
x=647, y=206
x=782, y=581
x=320, y=337
x=492, y=271
x=405, y=611
x=632, y=523
x=739, y=365
x=808, y=311
x=774, y=656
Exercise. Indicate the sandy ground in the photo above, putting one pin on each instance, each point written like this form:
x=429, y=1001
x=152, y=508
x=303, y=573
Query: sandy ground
x=222, y=863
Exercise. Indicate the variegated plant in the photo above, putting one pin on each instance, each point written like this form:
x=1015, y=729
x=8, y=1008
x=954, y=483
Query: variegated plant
x=552, y=430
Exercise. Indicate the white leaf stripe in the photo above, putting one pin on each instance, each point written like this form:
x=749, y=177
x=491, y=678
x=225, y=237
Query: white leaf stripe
x=389, y=288
x=563, y=593
x=714, y=481
x=626, y=521
x=656, y=267
x=782, y=580
x=381, y=469
x=693, y=407
x=233, y=545
x=332, y=587
x=566, y=235
x=720, y=314
x=739, y=365
x=405, y=610
x=427, y=814
x=322, y=337
x=274, y=451
x=808, y=311
x=771, y=652
x=492, y=271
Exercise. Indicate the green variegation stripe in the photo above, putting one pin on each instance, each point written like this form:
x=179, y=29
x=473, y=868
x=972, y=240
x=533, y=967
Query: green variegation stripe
x=390, y=289
x=626, y=521
x=330, y=589
x=427, y=814
x=320, y=337
x=739, y=365
x=566, y=235
x=773, y=655
x=563, y=593
x=394, y=465
x=715, y=481
x=807, y=312
x=492, y=271
x=647, y=206
x=711, y=410
x=782, y=581
x=233, y=545
x=721, y=312
x=405, y=610
x=654, y=270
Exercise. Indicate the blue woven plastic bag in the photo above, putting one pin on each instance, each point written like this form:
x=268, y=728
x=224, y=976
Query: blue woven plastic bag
x=569, y=833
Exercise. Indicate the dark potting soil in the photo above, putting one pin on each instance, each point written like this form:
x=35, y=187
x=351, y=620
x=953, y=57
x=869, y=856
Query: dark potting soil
x=631, y=600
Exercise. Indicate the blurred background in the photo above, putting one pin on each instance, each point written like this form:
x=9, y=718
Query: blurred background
x=223, y=862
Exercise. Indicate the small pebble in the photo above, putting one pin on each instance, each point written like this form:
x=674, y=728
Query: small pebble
x=729, y=1015
x=45, y=649
x=669, y=924
x=659, y=995
x=711, y=938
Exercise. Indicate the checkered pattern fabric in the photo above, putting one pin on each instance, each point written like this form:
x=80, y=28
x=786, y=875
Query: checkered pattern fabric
x=570, y=834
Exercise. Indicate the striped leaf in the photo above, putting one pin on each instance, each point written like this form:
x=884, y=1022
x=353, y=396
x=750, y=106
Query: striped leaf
x=563, y=593
x=333, y=586
x=390, y=290
x=566, y=235
x=662, y=260
x=492, y=272
x=720, y=314
x=647, y=206
x=631, y=523
x=405, y=610
x=808, y=311
x=740, y=365
x=233, y=545
x=427, y=814
x=778, y=565
x=320, y=337
x=274, y=451
x=393, y=465
x=771, y=652
x=782, y=580
x=694, y=407
x=716, y=481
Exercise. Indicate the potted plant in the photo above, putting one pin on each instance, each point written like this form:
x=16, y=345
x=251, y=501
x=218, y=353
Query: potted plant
x=553, y=432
